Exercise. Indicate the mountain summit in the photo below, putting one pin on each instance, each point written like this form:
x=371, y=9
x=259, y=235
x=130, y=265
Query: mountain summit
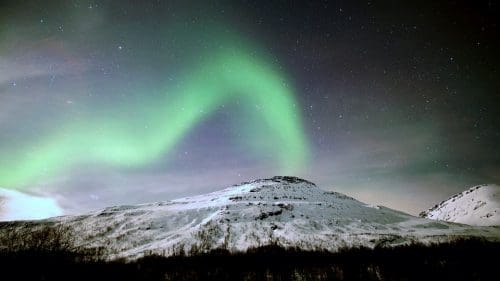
x=479, y=205
x=281, y=211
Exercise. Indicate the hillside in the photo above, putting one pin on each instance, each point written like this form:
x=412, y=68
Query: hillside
x=479, y=205
x=282, y=211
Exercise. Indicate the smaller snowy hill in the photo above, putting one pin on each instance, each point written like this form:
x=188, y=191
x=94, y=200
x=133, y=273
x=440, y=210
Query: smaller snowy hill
x=479, y=205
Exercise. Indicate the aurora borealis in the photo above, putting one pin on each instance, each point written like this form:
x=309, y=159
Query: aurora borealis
x=124, y=102
x=139, y=139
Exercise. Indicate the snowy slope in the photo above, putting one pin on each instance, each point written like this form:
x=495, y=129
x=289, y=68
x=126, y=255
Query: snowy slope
x=284, y=211
x=480, y=205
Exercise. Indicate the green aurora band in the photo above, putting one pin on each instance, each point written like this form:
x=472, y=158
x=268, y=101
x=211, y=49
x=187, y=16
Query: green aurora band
x=123, y=140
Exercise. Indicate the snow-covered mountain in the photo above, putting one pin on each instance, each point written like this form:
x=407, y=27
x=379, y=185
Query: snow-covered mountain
x=479, y=205
x=282, y=211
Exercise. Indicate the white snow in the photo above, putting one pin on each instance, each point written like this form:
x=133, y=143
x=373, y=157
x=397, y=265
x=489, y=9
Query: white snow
x=479, y=205
x=283, y=211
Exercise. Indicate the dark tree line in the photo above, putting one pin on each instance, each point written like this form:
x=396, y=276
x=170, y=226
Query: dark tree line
x=46, y=254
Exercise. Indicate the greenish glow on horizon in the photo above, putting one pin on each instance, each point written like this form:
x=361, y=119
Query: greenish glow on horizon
x=140, y=139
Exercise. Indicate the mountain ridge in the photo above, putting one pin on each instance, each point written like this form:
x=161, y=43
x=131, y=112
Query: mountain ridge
x=287, y=212
x=478, y=205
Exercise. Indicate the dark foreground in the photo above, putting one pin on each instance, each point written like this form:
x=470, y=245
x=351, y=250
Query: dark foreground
x=462, y=260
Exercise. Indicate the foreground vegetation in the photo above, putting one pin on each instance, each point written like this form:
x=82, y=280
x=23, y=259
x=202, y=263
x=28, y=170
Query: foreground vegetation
x=460, y=260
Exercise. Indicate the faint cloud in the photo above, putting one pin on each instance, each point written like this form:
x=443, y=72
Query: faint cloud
x=15, y=205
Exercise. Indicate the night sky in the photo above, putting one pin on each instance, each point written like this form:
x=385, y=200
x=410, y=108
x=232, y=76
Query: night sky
x=124, y=102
